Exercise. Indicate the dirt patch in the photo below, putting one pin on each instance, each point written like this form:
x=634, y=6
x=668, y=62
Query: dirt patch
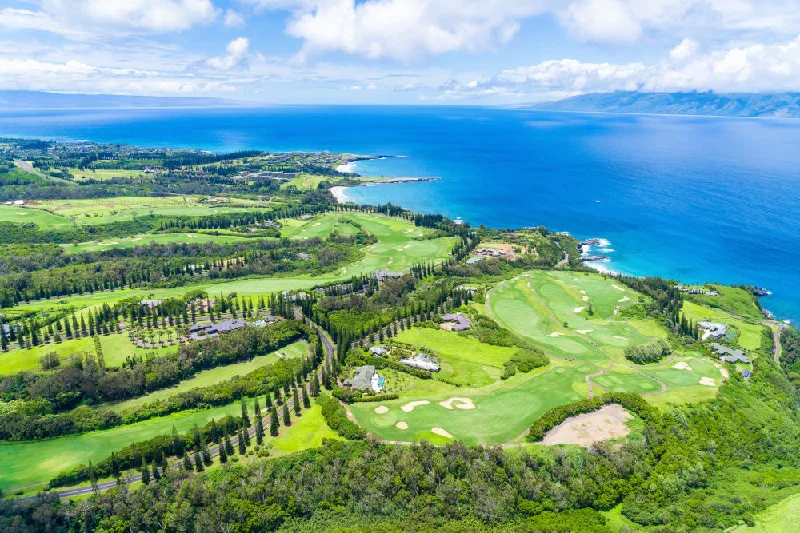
x=407, y=408
x=441, y=432
x=606, y=423
x=401, y=425
x=682, y=366
x=381, y=409
x=497, y=249
x=460, y=403
x=705, y=380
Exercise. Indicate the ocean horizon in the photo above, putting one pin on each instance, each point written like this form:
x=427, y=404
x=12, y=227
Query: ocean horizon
x=697, y=199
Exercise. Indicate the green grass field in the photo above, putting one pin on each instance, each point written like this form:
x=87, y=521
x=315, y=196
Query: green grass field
x=464, y=360
x=146, y=239
x=304, y=433
x=103, y=174
x=116, y=348
x=750, y=335
x=503, y=410
x=733, y=300
x=26, y=215
x=26, y=463
x=779, y=518
x=215, y=375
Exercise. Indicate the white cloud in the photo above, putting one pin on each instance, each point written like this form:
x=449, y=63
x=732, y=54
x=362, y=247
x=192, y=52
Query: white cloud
x=235, y=54
x=608, y=21
x=688, y=48
x=233, y=18
x=93, y=19
x=754, y=68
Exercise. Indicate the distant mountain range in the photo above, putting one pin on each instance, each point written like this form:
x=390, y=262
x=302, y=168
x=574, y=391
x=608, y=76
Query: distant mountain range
x=43, y=100
x=786, y=105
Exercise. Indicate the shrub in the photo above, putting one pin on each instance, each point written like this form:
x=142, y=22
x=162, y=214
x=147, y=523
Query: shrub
x=647, y=353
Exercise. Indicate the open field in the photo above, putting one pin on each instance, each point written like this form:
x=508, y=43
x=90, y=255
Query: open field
x=502, y=411
x=464, y=360
x=779, y=518
x=304, y=433
x=27, y=215
x=215, y=375
x=750, y=335
x=733, y=300
x=150, y=238
x=306, y=182
x=26, y=463
x=103, y=174
x=127, y=208
x=116, y=348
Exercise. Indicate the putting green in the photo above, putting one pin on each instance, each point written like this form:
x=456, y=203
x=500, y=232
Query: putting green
x=503, y=410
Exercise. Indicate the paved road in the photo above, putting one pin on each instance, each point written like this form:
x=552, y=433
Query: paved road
x=330, y=353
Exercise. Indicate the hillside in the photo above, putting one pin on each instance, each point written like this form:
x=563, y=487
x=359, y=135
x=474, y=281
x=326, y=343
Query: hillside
x=785, y=105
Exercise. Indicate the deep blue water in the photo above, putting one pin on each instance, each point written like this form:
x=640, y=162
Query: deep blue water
x=697, y=199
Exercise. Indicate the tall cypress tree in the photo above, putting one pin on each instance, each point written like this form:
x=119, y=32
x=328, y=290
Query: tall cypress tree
x=295, y=402
x=145, y=473
x=241, y=444
x=273, y=422
x=285, y=413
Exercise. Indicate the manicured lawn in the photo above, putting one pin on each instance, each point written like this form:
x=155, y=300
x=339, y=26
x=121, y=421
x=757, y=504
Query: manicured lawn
x=216, y=375
x=26, y=215
x=502, y=411
x=26, y=463
x=116, y=348
x=103, y=174
x=749, y=334
x=306, y=432
x=621, y=380
x=733, y=300
x=464, y=360
x=146, y=239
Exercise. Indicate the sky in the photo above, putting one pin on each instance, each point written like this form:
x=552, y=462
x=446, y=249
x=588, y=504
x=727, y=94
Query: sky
x=398, y=51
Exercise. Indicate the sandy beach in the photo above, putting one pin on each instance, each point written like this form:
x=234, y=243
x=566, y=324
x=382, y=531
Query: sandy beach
x=346, y=168
x=338, y=192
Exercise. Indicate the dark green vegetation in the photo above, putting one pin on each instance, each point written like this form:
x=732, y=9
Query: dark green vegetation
x=113, y=382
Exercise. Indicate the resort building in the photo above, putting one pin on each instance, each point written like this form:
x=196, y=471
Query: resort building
x=365, y=379
x=151, y=303
x=712, y=330
x=473, y=260
x=378, y=351
x=729, y=355
x=383, y=275
x=210, y=329
x=423, y=362
x=455, y=322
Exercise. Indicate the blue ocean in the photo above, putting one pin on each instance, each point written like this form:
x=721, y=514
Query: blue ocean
x=691, y=198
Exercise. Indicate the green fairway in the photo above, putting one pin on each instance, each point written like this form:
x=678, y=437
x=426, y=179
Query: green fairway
x=550, y=309
x=127, y=208
x=750, y=335
x=216, y=375
x=28, y=215
x=116, y=348
x=146, y=239
x=620, y=379
x=26, y=463
x=464, y=360
x=502, y=410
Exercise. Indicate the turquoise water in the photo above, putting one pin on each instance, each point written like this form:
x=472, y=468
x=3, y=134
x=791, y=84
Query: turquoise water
x=697, y=199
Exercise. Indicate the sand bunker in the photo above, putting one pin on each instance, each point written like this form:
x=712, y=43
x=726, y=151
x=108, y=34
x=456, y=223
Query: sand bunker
x=583, y=292
x=441, y=432
x=191, y=236
x=707, y=381
x=585, y=298
x=620, y=337
x=617, y=287
x=401, y=425
x=318, y=224
x=556, y=334
x=381, y=409
x=584, y=331
x=460, y=403
x=407, y=408
x=624, y=299
x=579, y=309
x=682, y=366
x=723, y=371
x=137, y=239
x=586, y=429
x=112, y=243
